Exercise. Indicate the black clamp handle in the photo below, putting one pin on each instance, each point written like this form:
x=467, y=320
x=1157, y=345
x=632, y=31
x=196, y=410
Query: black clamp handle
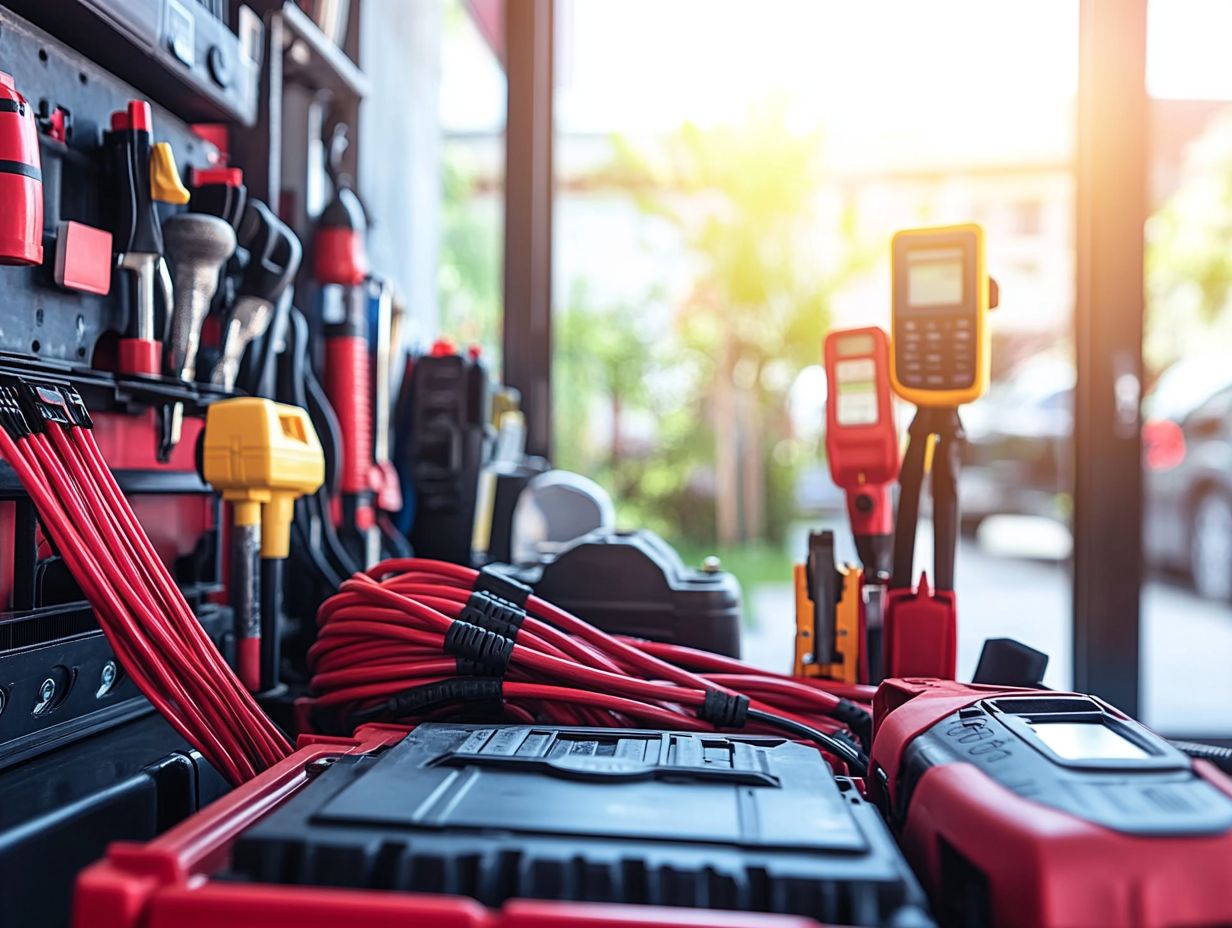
x=944, y=423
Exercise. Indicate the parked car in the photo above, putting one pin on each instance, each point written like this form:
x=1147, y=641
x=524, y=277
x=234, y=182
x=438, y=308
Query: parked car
x=1020, y=448
x=1017, y=458
x=1187, y=450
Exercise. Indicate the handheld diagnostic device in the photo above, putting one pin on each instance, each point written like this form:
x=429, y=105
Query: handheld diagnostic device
x=861, y=436
x=941, y=298
x=994, y=789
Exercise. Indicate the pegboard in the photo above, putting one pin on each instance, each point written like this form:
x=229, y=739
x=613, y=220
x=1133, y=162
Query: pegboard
x=37, y=317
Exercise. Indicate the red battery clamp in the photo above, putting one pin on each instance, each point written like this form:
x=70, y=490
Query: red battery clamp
x=1026, y=808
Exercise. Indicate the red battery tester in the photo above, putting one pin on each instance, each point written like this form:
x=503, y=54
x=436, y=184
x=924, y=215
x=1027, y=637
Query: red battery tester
x=1026, y=809
x=861, y=437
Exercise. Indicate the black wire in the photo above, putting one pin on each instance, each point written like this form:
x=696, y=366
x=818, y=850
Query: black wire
x=856, y=759
x=1220, y=756
x=911, y=481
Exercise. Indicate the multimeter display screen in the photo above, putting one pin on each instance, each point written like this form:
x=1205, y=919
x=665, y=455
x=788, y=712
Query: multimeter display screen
x=934, y=277
x=856, y=383
x=1086, y=741
x=850, y=346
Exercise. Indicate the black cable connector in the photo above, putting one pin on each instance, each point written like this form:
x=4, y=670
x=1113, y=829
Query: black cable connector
x=479, y=650
x=724, y=710
x=12, y=418
x=502, y=585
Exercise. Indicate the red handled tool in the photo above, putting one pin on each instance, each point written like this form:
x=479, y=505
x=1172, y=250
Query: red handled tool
x=143, y=172
x=340, y=260
x=21, y=179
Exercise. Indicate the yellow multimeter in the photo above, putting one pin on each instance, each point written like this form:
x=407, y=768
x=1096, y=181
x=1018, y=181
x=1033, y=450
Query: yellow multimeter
x=939, y=352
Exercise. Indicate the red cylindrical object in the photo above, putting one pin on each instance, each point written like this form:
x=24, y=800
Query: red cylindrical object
x=348, y=384
x=21, y=180
x=140, y=356
x=339, y=256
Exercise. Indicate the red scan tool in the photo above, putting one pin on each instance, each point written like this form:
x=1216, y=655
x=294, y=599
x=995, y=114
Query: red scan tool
x=1027, y=809
x=21, y=179
x=861, y=438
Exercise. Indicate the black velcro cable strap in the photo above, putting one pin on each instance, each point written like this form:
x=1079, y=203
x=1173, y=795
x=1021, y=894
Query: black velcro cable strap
x=860, y=721
x=724, y=710
x=472, y=691
x=479, y=650
x=487, y=610
x=502, y=585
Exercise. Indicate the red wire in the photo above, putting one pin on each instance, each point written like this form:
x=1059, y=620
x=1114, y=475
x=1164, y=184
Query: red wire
x=153, y=631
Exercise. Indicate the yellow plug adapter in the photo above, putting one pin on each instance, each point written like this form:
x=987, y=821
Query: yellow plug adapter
x=258, y=453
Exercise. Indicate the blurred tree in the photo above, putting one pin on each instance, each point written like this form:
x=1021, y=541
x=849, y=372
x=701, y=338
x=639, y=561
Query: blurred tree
x=469, y=276
x=1188, y=262
x=743, y=198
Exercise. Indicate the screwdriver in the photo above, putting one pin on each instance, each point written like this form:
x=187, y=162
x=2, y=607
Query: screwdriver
x=144, y=173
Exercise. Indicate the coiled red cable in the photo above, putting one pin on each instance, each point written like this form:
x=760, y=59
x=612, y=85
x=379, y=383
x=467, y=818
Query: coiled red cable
x=384, y=634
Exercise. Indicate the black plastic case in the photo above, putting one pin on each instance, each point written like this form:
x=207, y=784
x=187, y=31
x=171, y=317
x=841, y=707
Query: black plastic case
x=634, y=583
x=60, y=811
x=754, y=824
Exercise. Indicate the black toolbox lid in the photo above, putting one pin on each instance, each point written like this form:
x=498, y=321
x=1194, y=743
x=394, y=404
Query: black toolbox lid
x=662, y=818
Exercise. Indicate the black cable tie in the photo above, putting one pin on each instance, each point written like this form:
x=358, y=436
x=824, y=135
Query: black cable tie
x=487, y=652
x=724, y=710
x=491, y=580
x=487, y=610
x=859, y=720
x=475, y=691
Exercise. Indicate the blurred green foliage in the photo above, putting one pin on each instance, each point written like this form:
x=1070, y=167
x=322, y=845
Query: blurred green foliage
x=743, y=200
x=469, y=281
x=1188, y=259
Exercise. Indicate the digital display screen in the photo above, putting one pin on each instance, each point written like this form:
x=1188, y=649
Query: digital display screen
x=1087, y=741
x=856, y=383
x=853, y=345
x=934, y=277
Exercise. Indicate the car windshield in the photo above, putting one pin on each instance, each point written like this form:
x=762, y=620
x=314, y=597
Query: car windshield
x=1184, y=386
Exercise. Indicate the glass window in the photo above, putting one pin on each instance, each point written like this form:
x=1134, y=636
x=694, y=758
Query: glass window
x=1187, y=431
x=472, y=102
x=728, y=195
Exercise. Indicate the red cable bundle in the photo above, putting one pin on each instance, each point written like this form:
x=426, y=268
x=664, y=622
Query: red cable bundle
x=395, y=632
x=152, y=629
